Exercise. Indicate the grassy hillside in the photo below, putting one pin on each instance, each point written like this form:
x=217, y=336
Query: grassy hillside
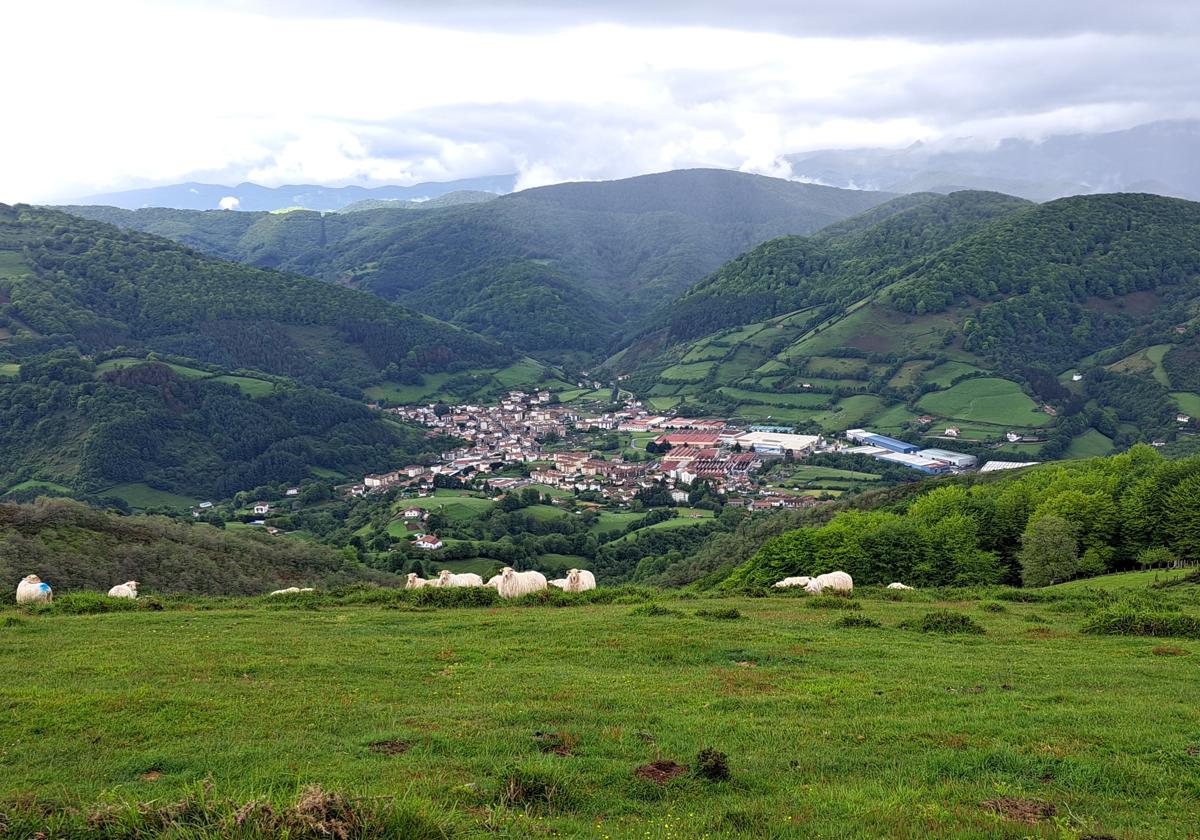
x=1030, y=729
x=609, y=249
x=905, y=301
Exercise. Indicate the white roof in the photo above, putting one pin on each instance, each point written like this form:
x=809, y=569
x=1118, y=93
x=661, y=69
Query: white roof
x=794, y=442
x=993, y=466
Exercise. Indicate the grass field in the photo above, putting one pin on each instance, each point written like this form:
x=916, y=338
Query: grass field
x=988, y=400
x=142, y=496
x=1090, y=444
x=9, y=370
x=403, y=394
x=1123, y=581
x=1147, y=360
x=947, y=372
x=129, y=361
x=41, y=485
x=525, y=721
x=694, y=372
x=773, y=398
x=248, y=385
x=1188, y=403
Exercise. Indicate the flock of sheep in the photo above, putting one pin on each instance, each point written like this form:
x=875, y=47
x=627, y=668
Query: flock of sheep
x=833, y=581
x=509, y=583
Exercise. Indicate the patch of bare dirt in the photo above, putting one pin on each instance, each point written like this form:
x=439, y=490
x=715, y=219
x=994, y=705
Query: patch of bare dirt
x=1167, y=650
x=660, y=772
x=391, y=747
x=152, y=776
x=559, y=743
x=1029, y=811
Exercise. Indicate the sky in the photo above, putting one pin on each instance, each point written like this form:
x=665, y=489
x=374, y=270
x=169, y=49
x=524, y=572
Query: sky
x=130, y=93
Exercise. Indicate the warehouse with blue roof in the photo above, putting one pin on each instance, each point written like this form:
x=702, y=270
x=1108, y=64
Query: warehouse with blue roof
x=882, y=441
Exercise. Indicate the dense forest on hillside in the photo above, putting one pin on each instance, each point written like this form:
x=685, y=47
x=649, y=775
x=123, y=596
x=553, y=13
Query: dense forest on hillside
x=612, y=248
x=1047, y=524
x=72, y=546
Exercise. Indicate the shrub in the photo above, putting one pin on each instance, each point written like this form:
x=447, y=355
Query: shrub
x=943, y=621
x=833, y=602
x=712, y=765
x=457, y=596
x=854, y=621
x=535, y=785
x=654, y=610
x=1129, y=620
x=1034, y=618
x=720, y=614
x=993, y=607
x=86, y=603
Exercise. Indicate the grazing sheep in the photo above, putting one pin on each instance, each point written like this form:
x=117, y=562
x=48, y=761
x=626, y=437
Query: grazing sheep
x=834, y=581
x=789, y=582
x=448, y=578
x=31, y=590
x=415, y=581
x=513, y=584
x=124, y=590
x=561, y=583
x=898, y=585
x=493, y=582
x=580, y=580
x=291, y=590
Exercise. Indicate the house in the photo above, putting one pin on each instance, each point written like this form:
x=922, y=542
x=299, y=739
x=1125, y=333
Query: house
x=261, y=508
x=1012, y=437
x=952, y=431
x=428, y=542
x=1075, y=377
x=293, y=491
x=413, y=513
x=1182, y=418
x=205, y=505
x=1158, y=442
x=925, y=419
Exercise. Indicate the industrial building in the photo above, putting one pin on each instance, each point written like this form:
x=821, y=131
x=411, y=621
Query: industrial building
x=884, y=448
x=916, y=462
x=778, y=444
x=883, y=441
x=955, y=459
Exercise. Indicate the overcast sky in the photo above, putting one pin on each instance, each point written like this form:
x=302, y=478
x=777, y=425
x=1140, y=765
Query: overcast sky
x=125, y=93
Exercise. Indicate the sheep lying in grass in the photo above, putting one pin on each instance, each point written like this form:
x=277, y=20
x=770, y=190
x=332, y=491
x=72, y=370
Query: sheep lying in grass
x=448, y=578
x=898, y=585
x=561, y=583
x=124, y=590
x=31, y=590
x=293, y=590
x=415, y=581
x=513, y=584
x=580, y=580
x=789, y=582
x=833, y=581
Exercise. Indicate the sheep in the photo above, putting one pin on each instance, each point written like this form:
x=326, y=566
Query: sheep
x=789, y=582
x=898, y=585
x=494, y=582
x=291, y=590
x=513, y=584
x=580, y=580
x=124, y=590
x=561, y=583
x=835, y=581
x=31, y=590
x=415, y=581
x=448, y=578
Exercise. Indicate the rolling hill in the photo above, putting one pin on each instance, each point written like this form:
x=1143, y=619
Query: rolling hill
x=126, y=359
x=971, y=309
x=602, y=253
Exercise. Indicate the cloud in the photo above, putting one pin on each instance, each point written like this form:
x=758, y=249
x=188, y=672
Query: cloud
x=405, y=92
x=229, y=202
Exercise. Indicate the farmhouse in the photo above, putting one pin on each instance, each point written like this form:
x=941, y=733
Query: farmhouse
x=413, y=513
x=261, y=508
x=428, y=542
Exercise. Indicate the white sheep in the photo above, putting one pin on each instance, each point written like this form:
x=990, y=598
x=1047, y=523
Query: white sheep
x=513, y=584
x=561, y=583
x=789, y=582
x=494, y=582
x=448, y=578
x=898, y=585
x=415, y=581
x=580, y=580
x=293, y=590
x=124, y=590
x=834, y=581
x=31, y=590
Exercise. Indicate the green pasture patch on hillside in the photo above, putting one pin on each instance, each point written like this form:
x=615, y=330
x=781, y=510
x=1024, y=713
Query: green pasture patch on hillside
x=12, y=264
x=10, y=370
x=1090, y=444
x=1122, y=581
x=1188, y=402
x=909, y=374
x=526, y=372
x=695, y=372
x=608, y=521
x=838, y=368
x=878, y=329
x=544, y=513
x=143, y=497
x=802, y=400
x=806, y=472
x=408, y=394
x=249, y=386
x=1145, y=361
x=130, y=361
x=945, y=734
x=989, y=399
x=739, y=336
x=705, y=352
x=778, y=414
x=849, y=413
x=945, y=373
x=663, y=403
x=772, y=366
x=893, y=417
x=34, y=483
x=744, y=360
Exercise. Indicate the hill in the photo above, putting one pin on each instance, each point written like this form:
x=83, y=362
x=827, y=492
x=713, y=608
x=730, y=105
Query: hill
x=451, y=199
x=974, y=309
x=600, y=252
x=76, y=547
x=130, y=359
x=253, y=197
x=1155, y=157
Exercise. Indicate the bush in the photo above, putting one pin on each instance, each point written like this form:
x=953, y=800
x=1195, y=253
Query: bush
x=993, y=607
x=712, y=765
x=1129, y=620
x=457, y=596
x=654, y=610
x=535, y=785
x=856, y=621
x=720, y=614
x=943, y=621
x=86, y=603
x=833, y=602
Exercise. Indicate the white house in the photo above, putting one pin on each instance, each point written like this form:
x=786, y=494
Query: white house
x=952, y=431
x=261, y=508
x=413, y=513
x=293, y=491
x=1012, y=437
x=1182, y=418
x=428, y=542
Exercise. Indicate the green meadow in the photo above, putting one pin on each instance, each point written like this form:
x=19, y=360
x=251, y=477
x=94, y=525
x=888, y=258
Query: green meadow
x=384, y=713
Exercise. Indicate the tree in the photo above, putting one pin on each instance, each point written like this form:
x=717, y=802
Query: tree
x=1049, y=553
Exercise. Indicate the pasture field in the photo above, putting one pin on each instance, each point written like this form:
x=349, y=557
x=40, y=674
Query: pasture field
x=989, y=400
x=1090, y=444
x=248, y=385
x=773, y=398
x=525, y=720
x=947, y=372
x=143, y=496
x=9, y=370
x=1188, y=402
x=694, y=372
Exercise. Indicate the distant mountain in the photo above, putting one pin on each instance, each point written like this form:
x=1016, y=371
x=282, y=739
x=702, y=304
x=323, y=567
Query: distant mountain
x=591, y=255
x=977, y=310
x=1161, y=158
x=451, y=199
x=252, y=197
x=127, y=358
